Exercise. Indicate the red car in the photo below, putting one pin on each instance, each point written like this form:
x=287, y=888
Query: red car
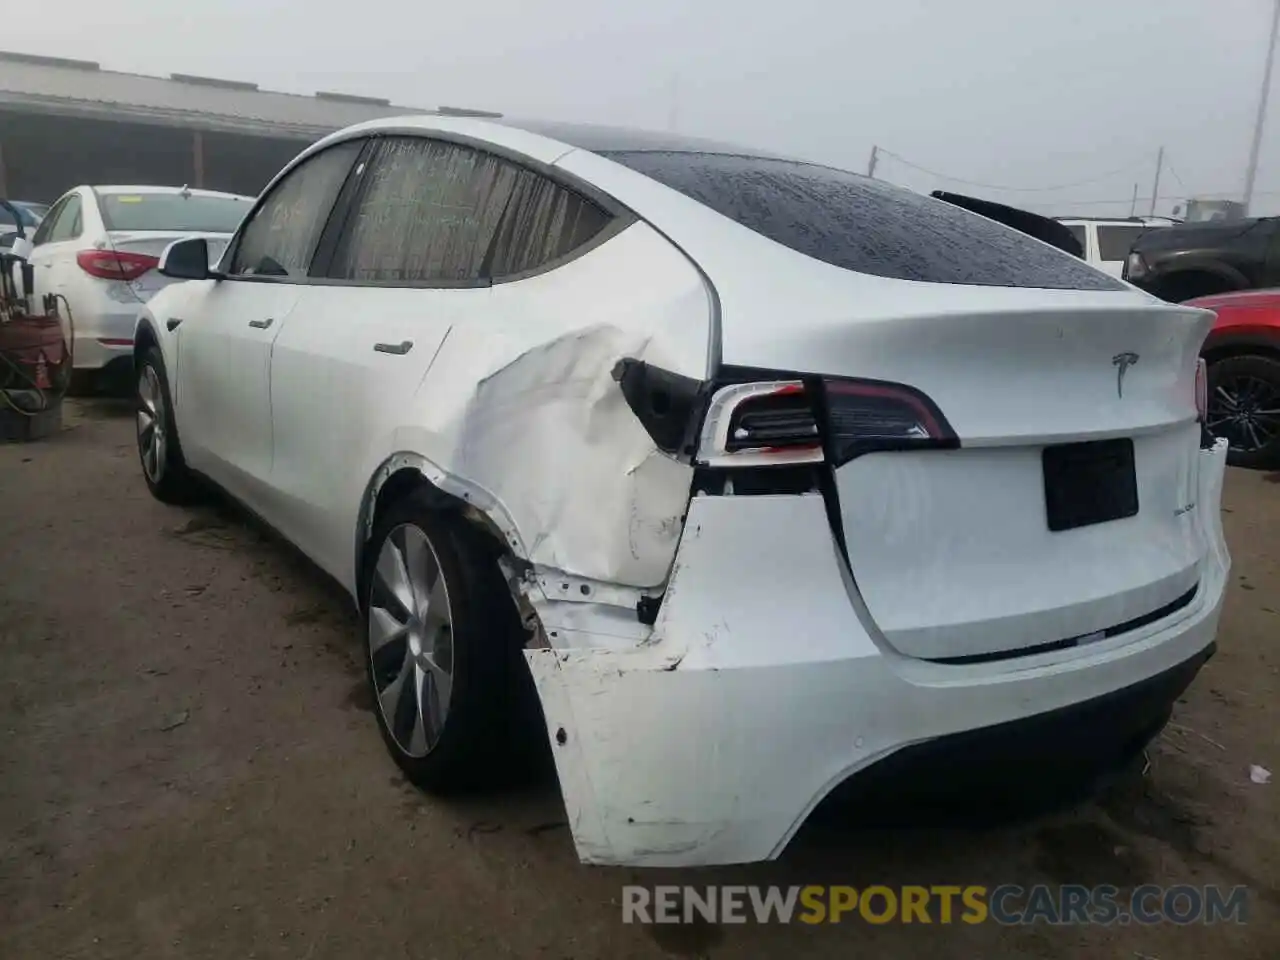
x=1242, y=352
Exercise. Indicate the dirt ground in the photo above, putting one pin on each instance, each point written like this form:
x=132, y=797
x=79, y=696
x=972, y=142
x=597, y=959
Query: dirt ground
x=188, y=769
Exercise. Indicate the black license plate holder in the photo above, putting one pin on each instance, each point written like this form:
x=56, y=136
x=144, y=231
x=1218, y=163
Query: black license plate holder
x=1089, y=483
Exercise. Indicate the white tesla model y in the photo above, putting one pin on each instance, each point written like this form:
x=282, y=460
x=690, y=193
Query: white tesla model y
x=771, y=477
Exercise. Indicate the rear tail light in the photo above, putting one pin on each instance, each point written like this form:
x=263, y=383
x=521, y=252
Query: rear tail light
x=760, y=424
x=1202, y=390
x=763, y=420
x=115, y=265
x=865, y=415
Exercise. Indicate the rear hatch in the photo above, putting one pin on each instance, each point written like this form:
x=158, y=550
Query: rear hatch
x=1065, y=513
x=1057, y=500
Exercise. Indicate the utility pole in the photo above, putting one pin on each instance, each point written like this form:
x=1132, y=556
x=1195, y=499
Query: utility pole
x=1252, y=173
x=1133, y=205
x=1155, y=187
x=875, y=158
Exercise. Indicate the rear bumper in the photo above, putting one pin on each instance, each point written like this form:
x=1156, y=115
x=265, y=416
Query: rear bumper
x=96, y=353
x=766, y=686
x=1041, y=758
x=104, y=326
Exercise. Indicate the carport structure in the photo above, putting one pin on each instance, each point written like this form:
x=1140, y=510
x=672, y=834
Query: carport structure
x=65, y=122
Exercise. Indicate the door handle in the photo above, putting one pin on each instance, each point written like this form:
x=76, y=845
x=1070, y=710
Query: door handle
x=262, y=324
x=401, y=348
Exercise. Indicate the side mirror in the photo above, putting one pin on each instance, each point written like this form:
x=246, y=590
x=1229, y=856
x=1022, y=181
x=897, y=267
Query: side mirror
x=186, y=259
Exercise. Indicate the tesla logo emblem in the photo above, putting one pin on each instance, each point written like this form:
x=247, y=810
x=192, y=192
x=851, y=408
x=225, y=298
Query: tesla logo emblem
x=1122, y=362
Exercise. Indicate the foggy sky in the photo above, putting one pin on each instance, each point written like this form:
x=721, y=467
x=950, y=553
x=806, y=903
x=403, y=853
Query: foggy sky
x=1021, y=93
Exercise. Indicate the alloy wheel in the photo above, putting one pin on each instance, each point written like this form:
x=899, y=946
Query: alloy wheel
x=152, y=439
x=1245, y=410
x=411, y=640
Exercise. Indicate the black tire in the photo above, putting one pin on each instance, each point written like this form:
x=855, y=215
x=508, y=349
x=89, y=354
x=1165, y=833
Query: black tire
x=84, y=383
x=484, y=734
x=1232, y=375
x=172, y=482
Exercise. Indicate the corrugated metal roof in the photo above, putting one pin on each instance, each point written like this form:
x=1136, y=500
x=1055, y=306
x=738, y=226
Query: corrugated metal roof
x=83, y=88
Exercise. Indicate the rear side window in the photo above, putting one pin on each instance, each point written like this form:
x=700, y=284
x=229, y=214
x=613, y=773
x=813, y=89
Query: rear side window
x=282, y=233
x=47, y=224
x=172, y=211
x=435, y=213
x=544, y=222
x=1114, y=243
x=870, y=226
x=1081, y=234
x=70, y=223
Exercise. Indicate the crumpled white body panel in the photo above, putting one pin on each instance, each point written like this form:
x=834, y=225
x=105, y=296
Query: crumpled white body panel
x=551, y=437
x=765, y=686
x=524, y=412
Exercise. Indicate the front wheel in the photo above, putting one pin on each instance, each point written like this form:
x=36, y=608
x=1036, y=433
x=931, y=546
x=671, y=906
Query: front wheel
x=163, y=467
x=1244, y=409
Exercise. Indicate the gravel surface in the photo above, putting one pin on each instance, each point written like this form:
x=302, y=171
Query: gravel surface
x=189, y=768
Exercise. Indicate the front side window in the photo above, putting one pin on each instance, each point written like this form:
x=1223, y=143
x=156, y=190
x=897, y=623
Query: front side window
x=865, y=225
x=431, y=212
x=281, y=235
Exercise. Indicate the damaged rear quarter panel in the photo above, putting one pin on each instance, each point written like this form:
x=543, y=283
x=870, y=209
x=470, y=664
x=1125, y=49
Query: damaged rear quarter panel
x=520, y=407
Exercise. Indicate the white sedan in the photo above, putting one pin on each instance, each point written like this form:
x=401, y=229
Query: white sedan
x=97, y=249
x=769, y=476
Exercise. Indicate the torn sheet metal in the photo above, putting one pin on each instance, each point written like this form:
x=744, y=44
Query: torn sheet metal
x=524, y=420
x=558, y=445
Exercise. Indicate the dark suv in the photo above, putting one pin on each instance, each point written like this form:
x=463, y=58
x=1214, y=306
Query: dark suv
x=1200, y=259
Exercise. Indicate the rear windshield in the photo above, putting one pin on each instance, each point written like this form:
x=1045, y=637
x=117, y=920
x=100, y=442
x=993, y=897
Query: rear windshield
x=172, y=211
x=866, y=225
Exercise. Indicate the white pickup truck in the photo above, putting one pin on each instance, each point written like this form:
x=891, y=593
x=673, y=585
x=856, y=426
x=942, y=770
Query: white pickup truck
x=1106, y=242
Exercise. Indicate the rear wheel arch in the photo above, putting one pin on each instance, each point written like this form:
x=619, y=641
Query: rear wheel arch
x=1256, y=358
x=406, y=474
x=491, y=724
x=144, y=338
x=1242, y=347
x=1187, y=284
